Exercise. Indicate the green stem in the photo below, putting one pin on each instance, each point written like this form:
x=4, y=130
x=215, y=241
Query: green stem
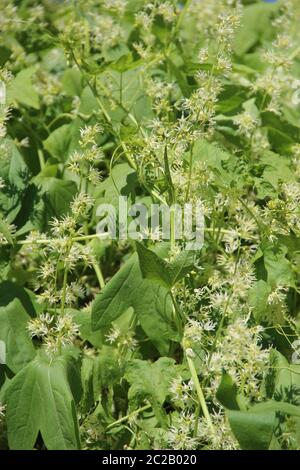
x=172, y=230
x=197, y=414
x=99, y=275
x=294, y=54
x=41, y=159
x=199, y=391
x=46, y=241
x=61, y=116
x=171, y=193
x=177, y=314
x=171, y=190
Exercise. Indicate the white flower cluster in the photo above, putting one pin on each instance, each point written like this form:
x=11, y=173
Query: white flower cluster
x=55, y=332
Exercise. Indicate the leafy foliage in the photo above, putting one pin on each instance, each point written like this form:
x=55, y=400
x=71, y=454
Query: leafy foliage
x=140, y=343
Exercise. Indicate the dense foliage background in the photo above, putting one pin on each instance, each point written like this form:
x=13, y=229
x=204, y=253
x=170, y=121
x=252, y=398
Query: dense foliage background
x=143, y=345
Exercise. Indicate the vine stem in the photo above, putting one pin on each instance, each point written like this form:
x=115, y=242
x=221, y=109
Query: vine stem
x=199, y=391
x=172, y=198
x=125, y=418
x=99, y=275
x=41, y=159
x=177, y=314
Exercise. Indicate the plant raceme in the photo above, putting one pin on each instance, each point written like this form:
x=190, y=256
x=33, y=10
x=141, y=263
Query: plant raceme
x=149, y=225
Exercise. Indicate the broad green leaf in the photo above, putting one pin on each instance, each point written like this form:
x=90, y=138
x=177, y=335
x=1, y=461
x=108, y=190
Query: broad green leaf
x=83, y=320
x=278, y=267
x=18, y=345
x=252, y=430
x=180, y=76
x=88, y=102
x=126, y=86
x=39, y=398
x=98, y=373
x=4, y=230
x=277, y=169
x=72, y=82
x=227, y=393
x=14, y=172
x=58, y=142
x=151, y=381
x=210, y=153
x=153, y=308
x=11, y=290
x=256, y=21
x=167, y=273
x=116, y=297
x=57, y=195
x=286, y=377
x=64, y=140
x=22, y=90
x=153, y=267
x=88, y=372
x=121, y=182
x=258, y=298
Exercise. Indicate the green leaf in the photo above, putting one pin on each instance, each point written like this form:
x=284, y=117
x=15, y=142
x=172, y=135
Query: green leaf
x=278, y=267
x=117, y=295
x=227, y=392
x=121, y=182
x=255, y=22
x=88, y=102
x=10, y=290
x=180, y=76
x=58, y=142
x=209, y=153
x=39, y=398
x=22, y=90
x=253, y=430
x=153, y=267
x=88, y=373
x=151, y=381
x=277, y=169
x=157, y=269
x=83, y=320
x=287, y=377
x=14, y=172
x=19, y=347
x=258, y=298
x=64, y=140
x=72, y=82
x=153, y=308
x=57, y=195
x=126, y=88
x=4, y=229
